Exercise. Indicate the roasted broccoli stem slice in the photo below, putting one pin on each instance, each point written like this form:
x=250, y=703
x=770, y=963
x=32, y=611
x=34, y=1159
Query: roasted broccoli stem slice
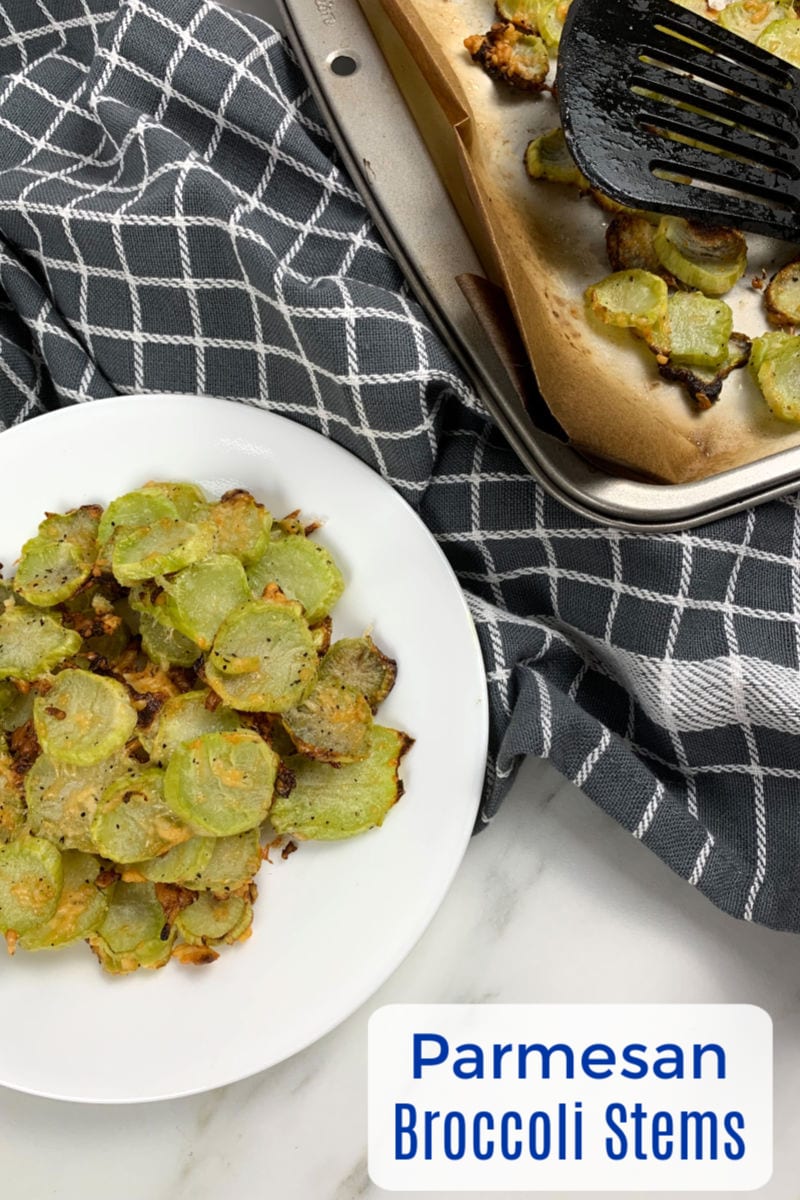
x=699, y=330
x=783, y=295
x=511, y=56
x=782, y=38
x=776, y=365
x=547, y=157
x=521, y=13
x=634, y=300
x=709, y=258
x=704, y=384
x=550, y=18
x=630, y=244
x=749, y=18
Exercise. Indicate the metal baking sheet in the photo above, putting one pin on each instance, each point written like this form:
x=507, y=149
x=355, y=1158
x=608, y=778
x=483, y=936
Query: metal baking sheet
x=391, y=167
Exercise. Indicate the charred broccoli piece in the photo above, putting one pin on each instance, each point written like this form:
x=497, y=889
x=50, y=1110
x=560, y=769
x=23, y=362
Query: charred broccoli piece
x=510, y=56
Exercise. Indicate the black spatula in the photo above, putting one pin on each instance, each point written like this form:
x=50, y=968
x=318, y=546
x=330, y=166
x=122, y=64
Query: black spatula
x=635, y=77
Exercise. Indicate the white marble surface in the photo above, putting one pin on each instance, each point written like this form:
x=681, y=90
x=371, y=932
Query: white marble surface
x=552, y=903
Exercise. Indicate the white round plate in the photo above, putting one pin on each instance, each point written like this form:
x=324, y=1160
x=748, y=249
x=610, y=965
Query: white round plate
x=333, y=920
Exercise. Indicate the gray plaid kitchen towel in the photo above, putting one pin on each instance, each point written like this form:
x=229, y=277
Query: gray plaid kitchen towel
x=173, y=218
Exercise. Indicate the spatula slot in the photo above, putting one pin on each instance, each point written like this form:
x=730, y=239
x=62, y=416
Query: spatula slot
x=731, y=207
x=711, y=69
x=696, y=123
x=708, y=38
x=735, y=178
x=736, y=148
x=768, y=119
